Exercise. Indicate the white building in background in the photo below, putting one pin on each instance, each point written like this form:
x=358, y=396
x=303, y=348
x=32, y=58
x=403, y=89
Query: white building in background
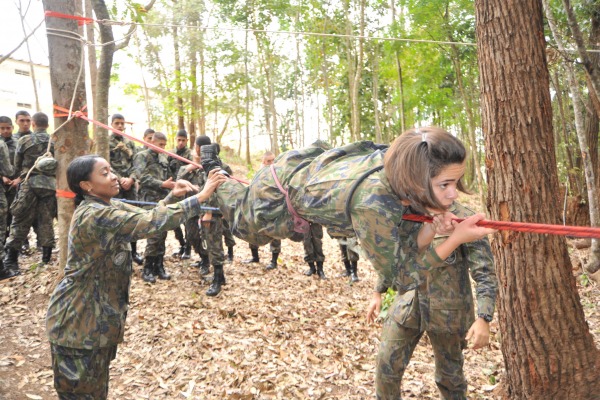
x=16, y=88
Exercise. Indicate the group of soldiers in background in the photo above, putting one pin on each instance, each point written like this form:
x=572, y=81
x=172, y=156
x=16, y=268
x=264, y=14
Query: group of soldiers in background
x=145, y=176
x=28, y=198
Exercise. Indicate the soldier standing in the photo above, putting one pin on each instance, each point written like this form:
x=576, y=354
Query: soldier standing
x=122, y=151
x=23, y=121
x=155, y=183
x=39, y=190
x=6, y=128
x=87, y=311
x=349, y=257
x=182, y=150
x=313, y=251
x=195, y=175
x=6, y=170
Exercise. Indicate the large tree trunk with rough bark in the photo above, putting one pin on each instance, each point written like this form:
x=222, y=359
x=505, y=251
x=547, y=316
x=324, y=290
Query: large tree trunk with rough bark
x=548, y=350
x=66, y=64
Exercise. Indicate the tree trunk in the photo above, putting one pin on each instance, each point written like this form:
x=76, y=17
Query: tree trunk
x=548, y=350
x=593, y=264
x=92, y=59
x=180, y=117
x=375, y=72
x=66, y=63
x=247, y=77
x=103, y=78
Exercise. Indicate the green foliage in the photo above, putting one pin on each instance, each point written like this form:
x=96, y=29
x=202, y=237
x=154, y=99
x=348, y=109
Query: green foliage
x=386, y=302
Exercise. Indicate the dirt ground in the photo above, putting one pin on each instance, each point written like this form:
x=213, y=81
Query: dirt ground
x=268, y=335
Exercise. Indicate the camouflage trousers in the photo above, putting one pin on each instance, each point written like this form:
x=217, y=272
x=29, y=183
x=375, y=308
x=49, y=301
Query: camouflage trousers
x=348, y=254
x=212, y=235
x=81, y=374
x=313, y=244
x=43, y=201
x=155, y=244
x=227, y=235
x=395, y=350
x=3, y=221
x=274, y=246
x=194, y=236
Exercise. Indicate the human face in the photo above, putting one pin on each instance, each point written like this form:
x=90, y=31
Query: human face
x=118, y=124
x=160, y=143
x=445, y=184
x=6, y=129
x=181, y=142
x=24, y=123
x=102, y=183
x=148, y=138
x=268, y=160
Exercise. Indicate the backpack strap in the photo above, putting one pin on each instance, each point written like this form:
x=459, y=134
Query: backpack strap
x=300, y=224
x=355, y=186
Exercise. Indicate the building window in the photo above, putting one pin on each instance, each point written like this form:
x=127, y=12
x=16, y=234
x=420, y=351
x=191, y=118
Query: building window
x=21, y=72
x=23, y=105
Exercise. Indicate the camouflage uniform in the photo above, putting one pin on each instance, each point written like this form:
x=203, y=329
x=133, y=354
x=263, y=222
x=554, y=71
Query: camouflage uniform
x=313, y=244
x=195, y=177
x=9, y=191
x=174, y=166
x=87, y=311
x=6, y=170
x=440, y=303
x=346, y=190
x=122, y=151
x=38, y=192
x=153, y=169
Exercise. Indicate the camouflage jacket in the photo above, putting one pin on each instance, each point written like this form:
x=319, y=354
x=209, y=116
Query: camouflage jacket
x=435, y=294
x=29, y=149
x=11, y=143
x=122, y=151
x=6, y=167
x=175, y=164
x=89, y=306
x=153, y=170
x=19, y=135
x=198, y=177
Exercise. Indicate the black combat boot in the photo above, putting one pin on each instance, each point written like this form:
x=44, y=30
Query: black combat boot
x=187, y=252
x=353, y=272
x=159, y=269
x=148, y=273
x=134, y=254
x=230, y=254
x=46, y=254
x=218, y=280
x=6, y=273
x=204, y=265
x=273, y=263
x=11, y=259
x=348, y=269
x=312, y=270
x=320, y=270
x=254, y=258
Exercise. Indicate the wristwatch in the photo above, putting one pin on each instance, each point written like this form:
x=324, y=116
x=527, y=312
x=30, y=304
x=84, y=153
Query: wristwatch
x=486, y=317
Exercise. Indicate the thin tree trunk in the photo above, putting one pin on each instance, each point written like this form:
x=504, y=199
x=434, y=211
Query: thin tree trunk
x=548, y=350
x=178, y=91
x=375, y=73
x=92, y=59
x=593, y=264
x=247, y=77
x=66, y=59
x=592, y=69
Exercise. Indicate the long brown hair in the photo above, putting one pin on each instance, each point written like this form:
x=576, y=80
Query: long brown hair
x=415, y=158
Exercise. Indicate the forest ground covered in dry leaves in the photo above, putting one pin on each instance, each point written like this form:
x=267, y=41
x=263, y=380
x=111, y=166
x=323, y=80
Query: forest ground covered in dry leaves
x=268, y=335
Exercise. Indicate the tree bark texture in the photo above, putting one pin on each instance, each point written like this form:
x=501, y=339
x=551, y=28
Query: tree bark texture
x=103, y=78
x=548, y=350
x=72, y=140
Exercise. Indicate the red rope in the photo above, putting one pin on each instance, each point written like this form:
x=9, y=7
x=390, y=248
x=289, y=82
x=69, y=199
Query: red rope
x=149, y=145
x=574, y=231
x=80, y=20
